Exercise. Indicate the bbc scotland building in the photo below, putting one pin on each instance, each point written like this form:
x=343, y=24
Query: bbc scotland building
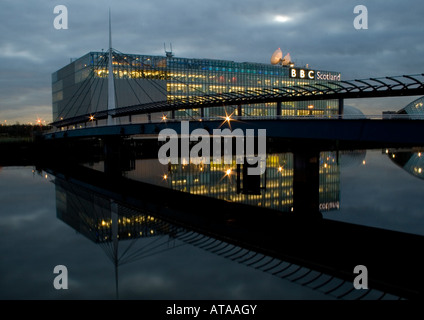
x=80, y=90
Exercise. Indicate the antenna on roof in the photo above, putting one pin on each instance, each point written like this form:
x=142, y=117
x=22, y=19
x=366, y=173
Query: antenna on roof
x=168, y=54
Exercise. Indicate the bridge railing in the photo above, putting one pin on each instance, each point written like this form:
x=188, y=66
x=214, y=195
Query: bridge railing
x=223, y=119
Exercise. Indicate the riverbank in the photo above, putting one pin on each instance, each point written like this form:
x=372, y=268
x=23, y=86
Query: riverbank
x=17, y=151
x=18, y=143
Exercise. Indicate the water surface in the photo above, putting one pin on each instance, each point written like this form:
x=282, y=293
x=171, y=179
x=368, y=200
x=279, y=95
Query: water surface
x=39, y=229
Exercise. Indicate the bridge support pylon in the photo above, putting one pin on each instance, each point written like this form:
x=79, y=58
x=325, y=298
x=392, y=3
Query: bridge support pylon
x=306, y=184
x=341, y=107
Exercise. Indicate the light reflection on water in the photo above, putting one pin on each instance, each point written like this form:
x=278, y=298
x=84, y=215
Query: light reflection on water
x=273, y=189
x=366, y=188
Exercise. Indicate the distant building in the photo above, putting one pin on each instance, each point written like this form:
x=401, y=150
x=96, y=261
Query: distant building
x=352, y=113
x=391, y=115
x=414, y=110
x=80, y=88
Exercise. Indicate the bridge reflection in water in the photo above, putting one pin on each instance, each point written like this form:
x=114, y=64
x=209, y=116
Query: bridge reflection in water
x=273, y=223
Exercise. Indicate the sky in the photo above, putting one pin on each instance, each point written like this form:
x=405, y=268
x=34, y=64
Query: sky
x=320, y=34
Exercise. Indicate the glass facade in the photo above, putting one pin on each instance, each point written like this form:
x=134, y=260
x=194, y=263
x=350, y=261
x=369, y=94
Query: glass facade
x=415, y=110
x=80, y=89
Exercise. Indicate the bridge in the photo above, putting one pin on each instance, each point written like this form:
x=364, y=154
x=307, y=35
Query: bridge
x=371, y=129
x=332, y=125
x=406, y=85
x=383, y=132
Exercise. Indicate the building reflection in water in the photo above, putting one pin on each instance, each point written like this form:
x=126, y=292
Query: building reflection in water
x=107, y=223
x=273, y=189
x=135, y=213
x=411, y=161
x=129, y=233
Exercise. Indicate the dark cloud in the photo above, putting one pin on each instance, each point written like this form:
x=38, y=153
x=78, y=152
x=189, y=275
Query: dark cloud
x=319, y=34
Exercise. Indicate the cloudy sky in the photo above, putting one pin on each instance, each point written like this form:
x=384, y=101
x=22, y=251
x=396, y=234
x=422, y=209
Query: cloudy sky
x=320, y=34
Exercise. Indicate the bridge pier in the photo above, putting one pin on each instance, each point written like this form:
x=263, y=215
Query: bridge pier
x=306, y=183
x=118, y=156
x=341, y=107
x=247, y=184
x=278, y=108
x=239, y=111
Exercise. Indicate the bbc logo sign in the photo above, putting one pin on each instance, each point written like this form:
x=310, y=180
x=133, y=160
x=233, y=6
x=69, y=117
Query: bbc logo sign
x=302, y=74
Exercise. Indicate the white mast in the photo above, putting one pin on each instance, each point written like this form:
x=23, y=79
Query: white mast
x=111, y=85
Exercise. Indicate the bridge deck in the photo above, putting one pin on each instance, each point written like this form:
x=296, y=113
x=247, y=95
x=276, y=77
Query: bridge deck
x=359, y=130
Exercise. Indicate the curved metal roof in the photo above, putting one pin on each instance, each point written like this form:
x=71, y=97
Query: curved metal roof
x=406, y=85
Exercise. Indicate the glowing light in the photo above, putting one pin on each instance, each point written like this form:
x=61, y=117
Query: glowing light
x=91, y=117
x=419, y=154
x=310, y=106
x=164, y=117
x=227, y=119
x=165, y=177
x=387, y=150
x=227, y=173
x=364, y=162
x=280, y=169
x=419, y=170
x=393, y=156
x=281, y=19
